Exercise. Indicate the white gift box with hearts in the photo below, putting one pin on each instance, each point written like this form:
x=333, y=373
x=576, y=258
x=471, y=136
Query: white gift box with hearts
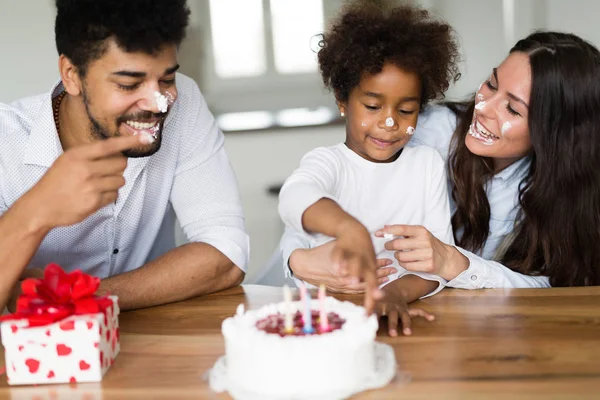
x=79, y=348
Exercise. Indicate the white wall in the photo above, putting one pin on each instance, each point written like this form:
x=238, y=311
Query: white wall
x=576, y=16
x=266, y=158
x=27, y=50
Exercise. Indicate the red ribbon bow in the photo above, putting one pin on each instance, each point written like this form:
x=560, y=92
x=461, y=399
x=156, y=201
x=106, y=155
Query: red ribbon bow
x=58, y=296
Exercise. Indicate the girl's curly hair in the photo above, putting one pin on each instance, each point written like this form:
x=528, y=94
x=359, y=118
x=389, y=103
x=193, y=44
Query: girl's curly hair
x=366, y=35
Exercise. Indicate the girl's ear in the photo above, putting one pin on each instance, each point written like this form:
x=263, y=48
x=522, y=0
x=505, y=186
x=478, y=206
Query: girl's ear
x=341, y=104
x=342, y=107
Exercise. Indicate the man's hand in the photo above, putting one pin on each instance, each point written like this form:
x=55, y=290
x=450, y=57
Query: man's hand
x=81, y=181
x=16, y=292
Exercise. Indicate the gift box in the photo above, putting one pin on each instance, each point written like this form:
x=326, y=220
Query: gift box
x=61, y=332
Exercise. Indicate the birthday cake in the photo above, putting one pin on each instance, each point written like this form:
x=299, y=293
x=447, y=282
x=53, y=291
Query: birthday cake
x=270, y=353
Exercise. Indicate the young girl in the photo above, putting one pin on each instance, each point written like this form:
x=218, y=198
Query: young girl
x=383, y=67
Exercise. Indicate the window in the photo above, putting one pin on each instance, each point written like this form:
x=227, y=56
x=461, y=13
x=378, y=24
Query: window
x=261, y=55
x=241, y=53
x=294, y=24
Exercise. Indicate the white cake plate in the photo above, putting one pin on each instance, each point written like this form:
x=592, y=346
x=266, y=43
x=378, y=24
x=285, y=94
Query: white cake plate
x=385, y=371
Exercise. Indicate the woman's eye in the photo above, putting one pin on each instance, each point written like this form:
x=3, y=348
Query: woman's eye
x=489, y=85
x=511, y=110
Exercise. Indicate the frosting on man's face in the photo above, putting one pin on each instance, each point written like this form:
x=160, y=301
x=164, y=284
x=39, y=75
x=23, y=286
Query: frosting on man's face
x=163, y=101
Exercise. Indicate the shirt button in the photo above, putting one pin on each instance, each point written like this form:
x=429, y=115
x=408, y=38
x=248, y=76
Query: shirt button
x=115, y=251
x=473, y=277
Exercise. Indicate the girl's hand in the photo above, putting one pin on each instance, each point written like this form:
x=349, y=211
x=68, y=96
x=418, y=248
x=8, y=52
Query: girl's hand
x=418, y=250
x=354, y=255
x=395, y=308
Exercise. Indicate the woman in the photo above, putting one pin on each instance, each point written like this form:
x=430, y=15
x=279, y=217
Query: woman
x=523, y=173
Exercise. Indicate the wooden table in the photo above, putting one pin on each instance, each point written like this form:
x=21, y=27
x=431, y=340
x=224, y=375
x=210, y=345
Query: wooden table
x=486, y=344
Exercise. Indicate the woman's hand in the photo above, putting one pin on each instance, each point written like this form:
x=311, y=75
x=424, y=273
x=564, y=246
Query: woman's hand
x=395, y=308
x=316, y=266
x=418, y=250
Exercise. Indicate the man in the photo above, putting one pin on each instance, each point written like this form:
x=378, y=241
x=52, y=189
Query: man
x=91, y=173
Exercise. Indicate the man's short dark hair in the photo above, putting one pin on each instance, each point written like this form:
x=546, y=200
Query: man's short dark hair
x=82, y=27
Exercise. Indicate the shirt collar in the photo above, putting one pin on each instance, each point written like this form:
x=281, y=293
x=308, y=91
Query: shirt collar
x=514, y=172
x=43, y=146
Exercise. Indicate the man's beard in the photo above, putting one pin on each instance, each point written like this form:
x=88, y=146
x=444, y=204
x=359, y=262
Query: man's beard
x=101, y=133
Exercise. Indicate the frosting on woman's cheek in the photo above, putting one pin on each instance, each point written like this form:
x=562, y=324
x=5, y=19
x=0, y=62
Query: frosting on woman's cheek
x=506, y=127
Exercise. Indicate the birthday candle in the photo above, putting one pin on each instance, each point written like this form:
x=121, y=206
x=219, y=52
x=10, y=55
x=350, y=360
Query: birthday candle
x=287, y=297
x=323, y=322
x=308, y=328
x=302, y=291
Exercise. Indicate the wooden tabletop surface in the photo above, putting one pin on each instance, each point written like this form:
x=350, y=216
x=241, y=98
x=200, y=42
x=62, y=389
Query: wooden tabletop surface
x=485, y=344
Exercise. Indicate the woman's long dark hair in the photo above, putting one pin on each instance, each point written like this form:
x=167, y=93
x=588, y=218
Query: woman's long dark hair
x=557, y=233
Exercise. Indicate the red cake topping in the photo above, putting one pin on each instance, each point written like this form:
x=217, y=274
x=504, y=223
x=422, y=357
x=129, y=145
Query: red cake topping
x=276, y=324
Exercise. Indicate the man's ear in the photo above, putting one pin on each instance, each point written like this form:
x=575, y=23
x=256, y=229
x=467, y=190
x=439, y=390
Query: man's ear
x=69, y=76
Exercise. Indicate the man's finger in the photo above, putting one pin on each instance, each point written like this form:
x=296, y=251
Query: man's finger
x=110, y=183
x=108, y=198
x=31, y=273
x=116, y=145
x=393, y=323
x=112, y=165
x=12, y=301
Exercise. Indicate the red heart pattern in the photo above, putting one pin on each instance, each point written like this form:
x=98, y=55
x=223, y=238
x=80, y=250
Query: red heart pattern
x=83, y=365
x=33, y=365
x=63, y=350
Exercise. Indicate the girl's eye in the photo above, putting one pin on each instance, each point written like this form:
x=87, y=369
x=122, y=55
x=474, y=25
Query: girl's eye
x=169, y=82
x=407, y=112
x=372, y=108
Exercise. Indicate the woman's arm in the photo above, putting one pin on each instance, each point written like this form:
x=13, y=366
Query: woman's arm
x=421, y=251
x=486, y=274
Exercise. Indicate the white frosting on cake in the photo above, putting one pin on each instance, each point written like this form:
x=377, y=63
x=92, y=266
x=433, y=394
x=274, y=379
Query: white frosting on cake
x=303, y=366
